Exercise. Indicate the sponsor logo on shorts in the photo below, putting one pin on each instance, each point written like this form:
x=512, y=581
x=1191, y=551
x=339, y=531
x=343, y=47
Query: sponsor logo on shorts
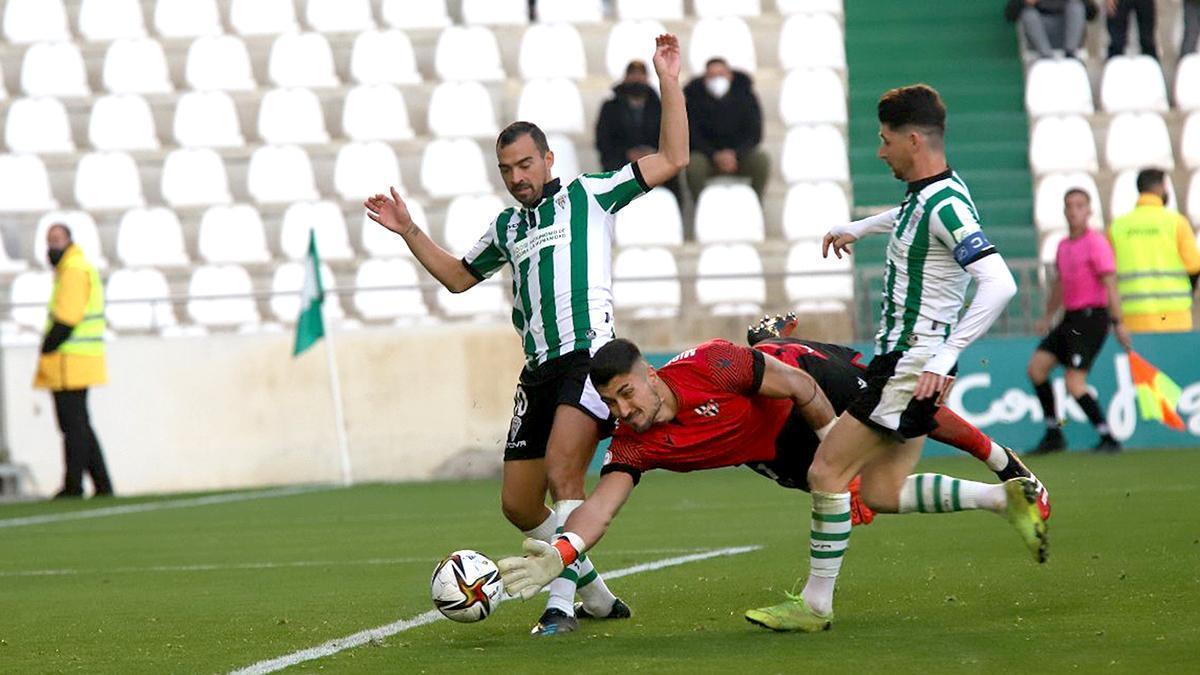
x=513, y=429
x=513, y=446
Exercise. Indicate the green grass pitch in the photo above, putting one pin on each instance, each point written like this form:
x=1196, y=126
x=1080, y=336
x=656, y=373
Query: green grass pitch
x=216, y=587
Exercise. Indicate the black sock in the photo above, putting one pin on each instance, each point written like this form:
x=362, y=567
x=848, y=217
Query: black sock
x=1045, y=395
x=1092, y=409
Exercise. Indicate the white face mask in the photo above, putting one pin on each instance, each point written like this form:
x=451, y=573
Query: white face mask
x=718, y=85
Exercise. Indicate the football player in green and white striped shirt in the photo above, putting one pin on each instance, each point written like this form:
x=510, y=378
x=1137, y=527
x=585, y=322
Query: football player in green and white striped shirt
x=936, y=247
x=558, y=244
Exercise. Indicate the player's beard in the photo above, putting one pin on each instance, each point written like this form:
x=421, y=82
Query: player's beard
x=651, y=415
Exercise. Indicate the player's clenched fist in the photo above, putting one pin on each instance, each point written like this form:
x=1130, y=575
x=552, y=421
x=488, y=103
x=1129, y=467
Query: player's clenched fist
x=526, y=576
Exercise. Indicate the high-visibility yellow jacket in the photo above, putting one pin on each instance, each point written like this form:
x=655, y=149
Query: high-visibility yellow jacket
x=77, y=300
x=1155, y=251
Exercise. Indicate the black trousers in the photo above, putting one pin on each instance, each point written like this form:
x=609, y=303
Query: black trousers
x=80, y=446
x=1118, y=27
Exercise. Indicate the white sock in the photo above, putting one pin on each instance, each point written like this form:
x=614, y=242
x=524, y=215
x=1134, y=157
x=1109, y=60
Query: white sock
x=935, y=493
x=562, y=589
x=997, y=458
x=545, y=531
x=827, y=546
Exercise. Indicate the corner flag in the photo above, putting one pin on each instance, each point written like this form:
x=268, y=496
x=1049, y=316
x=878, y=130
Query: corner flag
x=310, y=327
x=1157, y=394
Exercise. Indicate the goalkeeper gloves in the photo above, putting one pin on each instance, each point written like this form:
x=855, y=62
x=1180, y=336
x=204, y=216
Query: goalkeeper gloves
x=542, y=563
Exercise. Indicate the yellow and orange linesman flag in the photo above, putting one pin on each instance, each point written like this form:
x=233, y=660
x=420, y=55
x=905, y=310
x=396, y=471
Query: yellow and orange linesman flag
x=1157, y=394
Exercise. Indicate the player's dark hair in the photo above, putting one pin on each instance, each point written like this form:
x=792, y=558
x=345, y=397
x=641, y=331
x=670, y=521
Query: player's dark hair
x=716, y=59
x=1148, y=179
x=66, y=230
x=636, y=65
x=917, y=105
x=615, y=358
x=518, y=129
x=1077, y=191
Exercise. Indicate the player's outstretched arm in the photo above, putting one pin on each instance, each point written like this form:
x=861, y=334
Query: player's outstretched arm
x=543, y=562
x=841, y=237
x=392, y=213
x=783, y=381
x=673, y=146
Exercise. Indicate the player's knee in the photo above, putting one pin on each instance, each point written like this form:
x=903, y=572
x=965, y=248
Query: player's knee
x=825, y=477
x=521, y=516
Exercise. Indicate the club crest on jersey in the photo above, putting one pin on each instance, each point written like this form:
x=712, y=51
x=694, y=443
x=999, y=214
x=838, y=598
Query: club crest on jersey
x=710, y=409
x=561, y=201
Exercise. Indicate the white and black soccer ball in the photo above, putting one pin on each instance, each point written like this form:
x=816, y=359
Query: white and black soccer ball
x=466, y=586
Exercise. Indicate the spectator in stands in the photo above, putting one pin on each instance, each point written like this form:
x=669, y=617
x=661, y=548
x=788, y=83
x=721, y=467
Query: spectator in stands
x=1118, y=26
x=628, y=126
x=1086, y=290
x=1191, y=27
x=726, y=126
x=1157, y=260
x=72, y=359
x=1052, y=24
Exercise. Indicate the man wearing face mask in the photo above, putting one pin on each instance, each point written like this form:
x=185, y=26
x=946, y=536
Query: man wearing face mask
x=628, y=127
x=726, y=123
x=72, y=359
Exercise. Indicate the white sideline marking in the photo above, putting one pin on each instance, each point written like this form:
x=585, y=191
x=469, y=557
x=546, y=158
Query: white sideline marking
x=379, y=632
x=162, y=505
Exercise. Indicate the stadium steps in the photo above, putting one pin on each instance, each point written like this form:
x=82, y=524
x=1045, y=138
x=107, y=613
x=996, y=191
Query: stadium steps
x=971, y=58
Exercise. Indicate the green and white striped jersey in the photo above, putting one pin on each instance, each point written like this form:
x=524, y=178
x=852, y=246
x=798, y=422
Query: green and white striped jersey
x=935, y=235
x=560, y=252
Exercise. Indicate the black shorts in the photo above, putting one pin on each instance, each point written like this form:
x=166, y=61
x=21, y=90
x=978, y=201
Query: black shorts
x=560, y=381
x=795, y=448
x=887, y=403
x=1078, y=338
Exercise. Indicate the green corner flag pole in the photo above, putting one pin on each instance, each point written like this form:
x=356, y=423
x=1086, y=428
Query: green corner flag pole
x=310, y=327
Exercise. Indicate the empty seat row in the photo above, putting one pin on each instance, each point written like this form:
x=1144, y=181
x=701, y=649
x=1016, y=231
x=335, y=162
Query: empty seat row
x=1129, y=84
x=1133, y=140
x=1048, y=198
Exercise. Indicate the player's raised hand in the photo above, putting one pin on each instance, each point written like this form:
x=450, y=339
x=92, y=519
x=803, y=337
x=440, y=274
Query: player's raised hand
x=840, y=243
x=525, y=576
x=390, y=212
x=666, y=56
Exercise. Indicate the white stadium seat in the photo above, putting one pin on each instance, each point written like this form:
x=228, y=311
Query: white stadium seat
x=552, y=50
x=9, y=264
x=731, y=296
x=53, y=69
x=566, y=158
x=663, y=10
x=406, y=14
x=788, y=7
x=122, y=122
x=301, y=60
x=453, y=167
x=1060, y=144
x=207, y=119
x=462, y=109
x=136, y=67
x=725, y=37
x=108, y=180
x=1189, y=142
x=1138, y=140
x=1048, y=200
x=653, y=219
x=812, y=279
x=263, y=17
x=380, y=242
x=1193, y=199
x=1187, y=83
x=1133, y=84
x=1048, y=249
x=376, y=112
x=393, y=303
x=339, y=16
x=365, y=168
x=728, y=212
x=811, y=209
x=812, y=41
x=83, y=232
x=468, y=53
x=570, y=11
x=495, y=12
x=1058, y=87
x=26, y=184
x=38, y=125
x=219, y=62
x=138, y=300
x=811, y=96
x=1125, y=195
x=3, y=89
x=815, y=153
x=646, y=282
x=383, y=57
x=333, y=242
x=467, y=218
x=31, y=289
x=187, y=18
x=286, y=284
x=194, y=177
x=232, y=234
x=103, y=20
x=632, y=41
x=151, y=237
x=291, y=115
x=483, y=302
x=716, y=8
x=554, y=105
x=221, y=280
x=27, y=21
x=280, y=173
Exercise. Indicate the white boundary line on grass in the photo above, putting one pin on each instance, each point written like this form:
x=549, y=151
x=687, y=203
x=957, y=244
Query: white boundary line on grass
x=379, y=632
x=162, y=505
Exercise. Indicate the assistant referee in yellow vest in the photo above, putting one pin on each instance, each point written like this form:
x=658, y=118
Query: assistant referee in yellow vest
x=72, y=359
x=1157, y=261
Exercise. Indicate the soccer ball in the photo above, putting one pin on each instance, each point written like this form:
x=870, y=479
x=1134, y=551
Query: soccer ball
x=466, y=586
